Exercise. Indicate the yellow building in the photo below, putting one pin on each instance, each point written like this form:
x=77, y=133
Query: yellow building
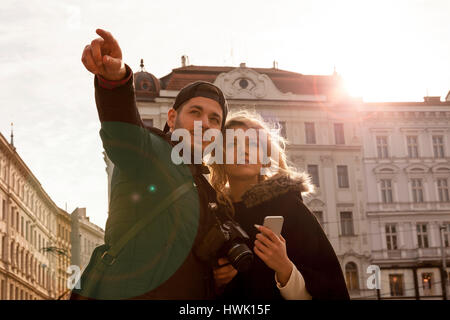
x=63, y=250
x=31, y=260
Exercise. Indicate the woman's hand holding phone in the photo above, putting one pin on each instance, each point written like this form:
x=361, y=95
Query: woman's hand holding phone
x=271, y=249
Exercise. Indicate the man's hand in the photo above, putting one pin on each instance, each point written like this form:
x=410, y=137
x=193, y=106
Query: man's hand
x=103, y=57
x=224, y=274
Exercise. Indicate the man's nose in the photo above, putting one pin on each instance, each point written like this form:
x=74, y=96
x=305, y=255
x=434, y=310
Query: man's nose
x=205, y=123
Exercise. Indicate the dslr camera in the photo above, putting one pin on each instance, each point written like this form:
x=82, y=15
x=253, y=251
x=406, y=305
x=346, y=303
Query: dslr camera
x=227, y=239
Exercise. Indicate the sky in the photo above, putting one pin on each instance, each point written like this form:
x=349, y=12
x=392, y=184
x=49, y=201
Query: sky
x=391, y=50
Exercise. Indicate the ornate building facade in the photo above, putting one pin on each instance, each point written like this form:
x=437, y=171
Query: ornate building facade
x=407, y=168
x=30, y=249
x=63, y=248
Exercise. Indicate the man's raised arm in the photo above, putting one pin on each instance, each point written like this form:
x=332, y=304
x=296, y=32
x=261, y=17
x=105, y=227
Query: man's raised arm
x=114, y=92
x=128, y=144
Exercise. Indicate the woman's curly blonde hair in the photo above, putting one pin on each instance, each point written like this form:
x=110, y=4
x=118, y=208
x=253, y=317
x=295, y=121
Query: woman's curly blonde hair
x=249, y=119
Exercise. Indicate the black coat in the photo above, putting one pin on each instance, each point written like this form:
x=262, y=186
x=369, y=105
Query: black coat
x=160, y=262
x=306, y=243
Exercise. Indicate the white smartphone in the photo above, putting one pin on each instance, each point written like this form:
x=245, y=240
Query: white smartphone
x=274, y=223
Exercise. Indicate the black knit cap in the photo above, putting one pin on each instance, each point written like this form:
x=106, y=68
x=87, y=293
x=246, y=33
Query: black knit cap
x=201, y=89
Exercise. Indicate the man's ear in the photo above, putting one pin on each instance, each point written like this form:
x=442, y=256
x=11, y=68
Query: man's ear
x=171, y=118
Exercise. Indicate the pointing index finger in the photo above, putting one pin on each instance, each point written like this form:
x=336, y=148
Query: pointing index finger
x=106, y=35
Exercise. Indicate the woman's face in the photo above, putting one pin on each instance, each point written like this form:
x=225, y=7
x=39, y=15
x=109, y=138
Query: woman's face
x=247, y=170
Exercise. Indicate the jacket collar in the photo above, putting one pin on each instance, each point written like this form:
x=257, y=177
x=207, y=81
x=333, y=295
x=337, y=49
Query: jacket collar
x=275, y=186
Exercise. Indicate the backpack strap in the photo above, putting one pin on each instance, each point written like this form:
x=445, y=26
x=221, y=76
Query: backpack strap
x=109, y=256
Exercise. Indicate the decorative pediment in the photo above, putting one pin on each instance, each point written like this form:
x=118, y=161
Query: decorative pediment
x=417, y=168
x=441, y=168
x=386, y=169
x=246, y=83
x=316, y=203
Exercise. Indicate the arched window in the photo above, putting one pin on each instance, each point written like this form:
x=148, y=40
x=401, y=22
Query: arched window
x=351, y=276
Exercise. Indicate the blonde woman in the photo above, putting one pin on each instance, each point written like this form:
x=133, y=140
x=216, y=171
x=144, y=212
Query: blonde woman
x=300, y=263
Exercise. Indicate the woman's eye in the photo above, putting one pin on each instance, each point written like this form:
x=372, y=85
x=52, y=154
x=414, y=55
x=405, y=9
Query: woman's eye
x=196, y=112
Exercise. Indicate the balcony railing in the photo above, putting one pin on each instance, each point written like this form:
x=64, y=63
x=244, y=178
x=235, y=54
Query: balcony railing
x=410, y=254
x=408, y=206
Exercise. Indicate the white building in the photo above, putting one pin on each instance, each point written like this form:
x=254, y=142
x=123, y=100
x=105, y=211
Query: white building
x=382, y=170
x=85, y=237
x=407, y=167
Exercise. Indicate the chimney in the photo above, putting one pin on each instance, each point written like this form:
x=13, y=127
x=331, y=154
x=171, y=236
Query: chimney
x=275, y=64
x=184, y=61
x=242, y=65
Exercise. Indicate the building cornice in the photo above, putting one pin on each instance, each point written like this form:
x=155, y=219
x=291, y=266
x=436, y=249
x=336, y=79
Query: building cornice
x=31, y=179
x=315, y=147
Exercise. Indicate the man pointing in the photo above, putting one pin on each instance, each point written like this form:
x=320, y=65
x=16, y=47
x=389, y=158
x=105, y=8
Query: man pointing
x=160, y=261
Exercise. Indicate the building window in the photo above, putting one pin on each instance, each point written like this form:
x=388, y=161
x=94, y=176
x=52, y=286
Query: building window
x=391, y=236
x=446, y=234
x=339, y=133
x=313, y=171
x=386, y=190
x=342, y=173
x=396, y=285
x=148, y=122
x=3, y=209
x=319, y=216
x=422, y=235
x=2, y=290
x=442, y=185
x=347, y=224
x=438, y=146
x=417, y=190
x=11, y=254
x=351, y=276
x=427, y=284
x=4, y=244
x=382, y=147
x=310, y=133
x=413, y=146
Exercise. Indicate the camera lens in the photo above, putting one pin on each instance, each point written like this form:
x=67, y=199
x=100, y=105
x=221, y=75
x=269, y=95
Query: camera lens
x=240, y=257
